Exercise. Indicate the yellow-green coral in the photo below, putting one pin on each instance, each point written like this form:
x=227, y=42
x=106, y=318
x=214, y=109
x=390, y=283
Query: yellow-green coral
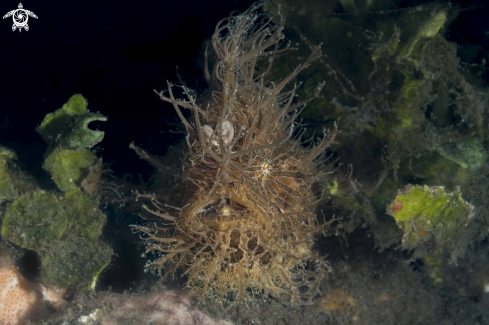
x=37, y=219
x=333, y=188
x=468, y=153
x=69, y=167
x=64, y=228
x=34, y=220
x=77, y=135
x=87, y=220
x=75, y=262
x=66, y=131
x=13, y=179
x=434, y=262
x=55, y=122
x=425, y=213
x=428, y=30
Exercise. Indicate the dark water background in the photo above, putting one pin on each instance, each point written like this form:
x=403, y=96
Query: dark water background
x=115, y=53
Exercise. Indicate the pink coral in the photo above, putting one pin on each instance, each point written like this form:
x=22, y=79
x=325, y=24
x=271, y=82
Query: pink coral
x=20, y=299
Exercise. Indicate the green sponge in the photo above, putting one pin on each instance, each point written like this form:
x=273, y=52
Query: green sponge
x=13, y=179
x=426, y=213
x=55, y=122
x=75, y=262
x=69, y=167
x=69, y=138
x=37, y=219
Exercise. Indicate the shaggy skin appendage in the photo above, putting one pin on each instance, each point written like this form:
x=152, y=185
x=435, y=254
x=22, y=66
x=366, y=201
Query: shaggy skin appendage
x=245, y=221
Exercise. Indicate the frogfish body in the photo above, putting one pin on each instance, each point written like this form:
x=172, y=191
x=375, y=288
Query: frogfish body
x=243, y=219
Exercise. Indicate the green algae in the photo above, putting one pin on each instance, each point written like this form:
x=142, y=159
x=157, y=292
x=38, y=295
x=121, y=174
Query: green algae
x=416, y=85
x=426, y=213
x=75, y=261
x=355, y=6
x=70, y=167
x=76, y=134
x=86, y=219
x=333, y=188
x=430, y=28
x=66, y=230
x=64, y=227
x=411, y=112
x=54, y=123
x=389, y=48
x=66, y=131
x=37, y=219
x=468, y=153
x=434, y=262
x=13, y=179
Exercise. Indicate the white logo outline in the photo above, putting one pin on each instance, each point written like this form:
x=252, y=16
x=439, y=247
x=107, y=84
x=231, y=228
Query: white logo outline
x=20, y=17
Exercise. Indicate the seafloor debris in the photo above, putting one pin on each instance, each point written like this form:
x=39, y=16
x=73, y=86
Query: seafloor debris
x=158, y=308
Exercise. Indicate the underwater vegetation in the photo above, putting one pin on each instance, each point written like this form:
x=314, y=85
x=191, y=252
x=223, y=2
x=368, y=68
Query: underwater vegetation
x=64, y=226
x=411, y=112
x=431, y=216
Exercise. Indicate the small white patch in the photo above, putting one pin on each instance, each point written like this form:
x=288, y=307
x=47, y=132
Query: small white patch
x=91, y=319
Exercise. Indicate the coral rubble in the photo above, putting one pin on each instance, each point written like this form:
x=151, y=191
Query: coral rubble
x=158, y=308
